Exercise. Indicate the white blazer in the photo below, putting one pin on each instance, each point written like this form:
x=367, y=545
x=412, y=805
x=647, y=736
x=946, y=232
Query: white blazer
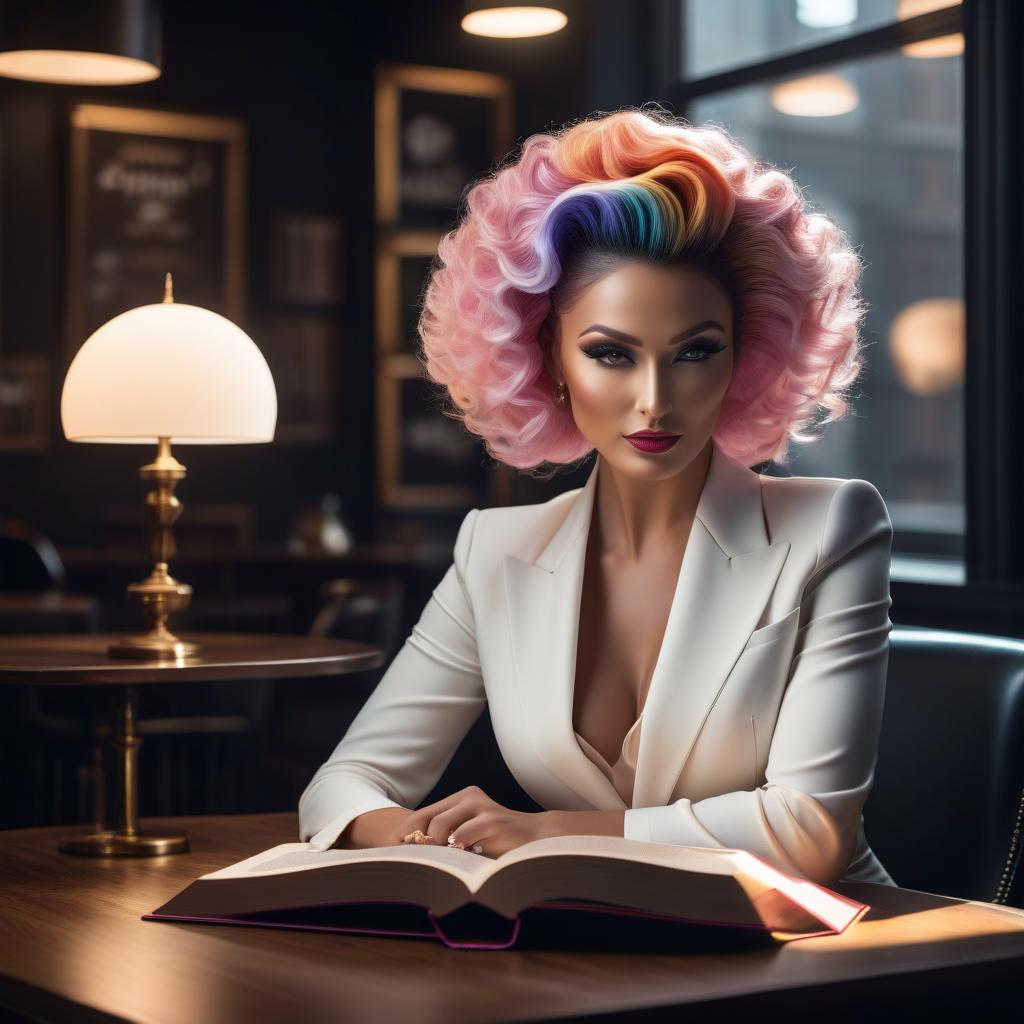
x=761, y=722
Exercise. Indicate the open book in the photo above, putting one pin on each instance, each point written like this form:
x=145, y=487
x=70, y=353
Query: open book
x=472, y=901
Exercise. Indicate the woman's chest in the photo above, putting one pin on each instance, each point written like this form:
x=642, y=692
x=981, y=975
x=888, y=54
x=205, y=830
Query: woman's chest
x=623, y=614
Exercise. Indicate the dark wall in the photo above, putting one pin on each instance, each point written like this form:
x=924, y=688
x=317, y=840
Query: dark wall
x=302, y=76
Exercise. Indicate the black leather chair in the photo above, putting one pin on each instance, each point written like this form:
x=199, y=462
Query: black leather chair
x=947, y=806
x=29, y=561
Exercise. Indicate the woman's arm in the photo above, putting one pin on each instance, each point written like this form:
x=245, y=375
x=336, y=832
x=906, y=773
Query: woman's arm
x=410, y=726
x=585, y=823
x=821, y=762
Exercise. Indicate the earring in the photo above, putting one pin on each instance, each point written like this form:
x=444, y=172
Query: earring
x=562, y=393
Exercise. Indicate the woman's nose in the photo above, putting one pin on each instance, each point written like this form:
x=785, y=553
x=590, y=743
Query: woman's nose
x=653, y=399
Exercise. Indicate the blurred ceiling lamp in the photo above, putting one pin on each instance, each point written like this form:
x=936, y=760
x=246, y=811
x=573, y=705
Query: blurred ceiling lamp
x=942, y=46
x=512, y=19
x=156, y=374
x=926, y=343
x=83, y=42
x=826, y=13
x=825, y=95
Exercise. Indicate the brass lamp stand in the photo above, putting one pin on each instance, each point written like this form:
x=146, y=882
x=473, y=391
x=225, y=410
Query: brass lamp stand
x=160, y=593
x=126, y=839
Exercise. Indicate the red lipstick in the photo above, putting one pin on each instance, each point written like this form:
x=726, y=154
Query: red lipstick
x=652, y=440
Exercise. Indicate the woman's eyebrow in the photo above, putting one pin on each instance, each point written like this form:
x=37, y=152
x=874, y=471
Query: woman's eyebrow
x=628, y=339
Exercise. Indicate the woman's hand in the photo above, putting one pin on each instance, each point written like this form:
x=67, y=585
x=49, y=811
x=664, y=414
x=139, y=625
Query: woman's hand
x=471, y=818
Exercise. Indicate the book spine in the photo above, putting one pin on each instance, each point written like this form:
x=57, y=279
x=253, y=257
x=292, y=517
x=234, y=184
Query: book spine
x=497, y=943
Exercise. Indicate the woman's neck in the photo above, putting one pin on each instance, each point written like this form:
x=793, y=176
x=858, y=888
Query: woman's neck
x=635, y=518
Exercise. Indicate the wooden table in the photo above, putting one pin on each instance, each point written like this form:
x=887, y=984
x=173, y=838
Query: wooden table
x=73, y=947
x=81, y=659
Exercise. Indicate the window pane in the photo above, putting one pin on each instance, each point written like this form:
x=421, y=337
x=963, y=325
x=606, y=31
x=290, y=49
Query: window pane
x=889, y=172
x=719, y=35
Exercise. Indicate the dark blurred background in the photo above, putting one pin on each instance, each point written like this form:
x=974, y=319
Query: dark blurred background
x=896, y=118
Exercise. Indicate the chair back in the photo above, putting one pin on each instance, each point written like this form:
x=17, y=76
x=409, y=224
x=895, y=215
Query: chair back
x=945, y=812
x=28, y=560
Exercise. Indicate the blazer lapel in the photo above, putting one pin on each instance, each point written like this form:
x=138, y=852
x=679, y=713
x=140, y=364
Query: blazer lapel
x=727, y=575
x=543, y=602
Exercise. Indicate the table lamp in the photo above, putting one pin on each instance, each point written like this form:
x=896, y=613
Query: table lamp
x=164, y=373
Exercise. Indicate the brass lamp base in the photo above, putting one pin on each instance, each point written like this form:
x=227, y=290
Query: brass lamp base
x=155, y=645
x=127, y=839
x=118, y=844
x=159, y=594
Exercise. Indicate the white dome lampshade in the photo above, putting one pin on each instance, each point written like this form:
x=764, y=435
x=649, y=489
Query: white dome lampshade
x=169, y=370
x=168, y=374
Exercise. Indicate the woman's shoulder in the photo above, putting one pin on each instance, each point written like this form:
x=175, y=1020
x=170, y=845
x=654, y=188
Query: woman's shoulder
x=511, y=517
x=829, y=508
x=522, y=530
x=810, y=492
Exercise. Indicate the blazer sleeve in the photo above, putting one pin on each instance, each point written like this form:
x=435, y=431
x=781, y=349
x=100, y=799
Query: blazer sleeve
x=405, y=734
x=821, y=762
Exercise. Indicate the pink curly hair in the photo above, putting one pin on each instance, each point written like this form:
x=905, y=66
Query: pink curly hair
x=641, y=185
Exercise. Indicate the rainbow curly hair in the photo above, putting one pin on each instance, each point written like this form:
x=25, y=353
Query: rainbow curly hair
x=641, y=184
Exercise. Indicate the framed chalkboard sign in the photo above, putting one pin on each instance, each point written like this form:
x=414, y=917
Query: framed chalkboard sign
x=426, y=459
x=152, y=192
x=404, y=262
x=437, y=130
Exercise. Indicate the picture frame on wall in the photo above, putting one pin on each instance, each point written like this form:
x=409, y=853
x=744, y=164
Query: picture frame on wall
x=305, y=258
x=427, y=459
x=153, y=192
x=437, y=130
x=301, y=350
x=404, y=262
x=24, y=404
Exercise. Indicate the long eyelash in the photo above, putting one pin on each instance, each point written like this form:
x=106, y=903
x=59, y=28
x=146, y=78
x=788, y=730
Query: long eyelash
x=597, y=352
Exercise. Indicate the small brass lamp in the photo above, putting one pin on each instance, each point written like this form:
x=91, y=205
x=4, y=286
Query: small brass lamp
x=164, y=373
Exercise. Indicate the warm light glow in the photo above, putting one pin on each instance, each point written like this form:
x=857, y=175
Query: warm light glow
x=514, y=22
x=912, y=8
x=815, y=96
x=74, y=67
x=943, y=46
x=927, y=345
x=169, y=370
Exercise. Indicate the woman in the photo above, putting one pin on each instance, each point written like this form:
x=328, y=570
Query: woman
x=681, y=651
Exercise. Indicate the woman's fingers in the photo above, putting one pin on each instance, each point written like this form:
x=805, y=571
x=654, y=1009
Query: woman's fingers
x=488, y=830
x=444, y=824
x=421, y=818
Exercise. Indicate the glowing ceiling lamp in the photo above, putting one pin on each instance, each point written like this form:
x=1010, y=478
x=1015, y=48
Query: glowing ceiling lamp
x=512, y=19
x=92, y=42
x=942, y=46
x=825, y=95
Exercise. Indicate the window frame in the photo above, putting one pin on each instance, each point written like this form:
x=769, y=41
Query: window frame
x=991, y=596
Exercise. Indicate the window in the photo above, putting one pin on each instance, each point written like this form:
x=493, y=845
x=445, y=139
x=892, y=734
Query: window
x=862, y=101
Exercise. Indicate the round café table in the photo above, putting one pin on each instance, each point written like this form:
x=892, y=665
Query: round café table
x=81, y=659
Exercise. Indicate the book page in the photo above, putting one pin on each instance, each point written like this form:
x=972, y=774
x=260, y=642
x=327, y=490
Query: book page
x=700, y=859
x=471, y=868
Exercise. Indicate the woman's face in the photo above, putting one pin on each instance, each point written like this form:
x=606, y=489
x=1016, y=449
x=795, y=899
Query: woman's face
x=647, y=347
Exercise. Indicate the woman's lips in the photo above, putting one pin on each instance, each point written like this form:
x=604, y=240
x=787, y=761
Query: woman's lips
x=653, y=444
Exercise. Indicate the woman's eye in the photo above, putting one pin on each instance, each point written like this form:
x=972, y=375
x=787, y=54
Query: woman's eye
x=696, y=353
x=603, y=352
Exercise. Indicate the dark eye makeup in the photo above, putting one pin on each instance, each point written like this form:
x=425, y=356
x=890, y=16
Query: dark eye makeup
x=696, y=352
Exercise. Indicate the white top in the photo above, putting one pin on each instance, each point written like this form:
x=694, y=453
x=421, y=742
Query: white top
x=622, y=774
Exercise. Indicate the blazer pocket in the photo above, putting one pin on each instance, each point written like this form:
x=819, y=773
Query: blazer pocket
x=780, y=627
